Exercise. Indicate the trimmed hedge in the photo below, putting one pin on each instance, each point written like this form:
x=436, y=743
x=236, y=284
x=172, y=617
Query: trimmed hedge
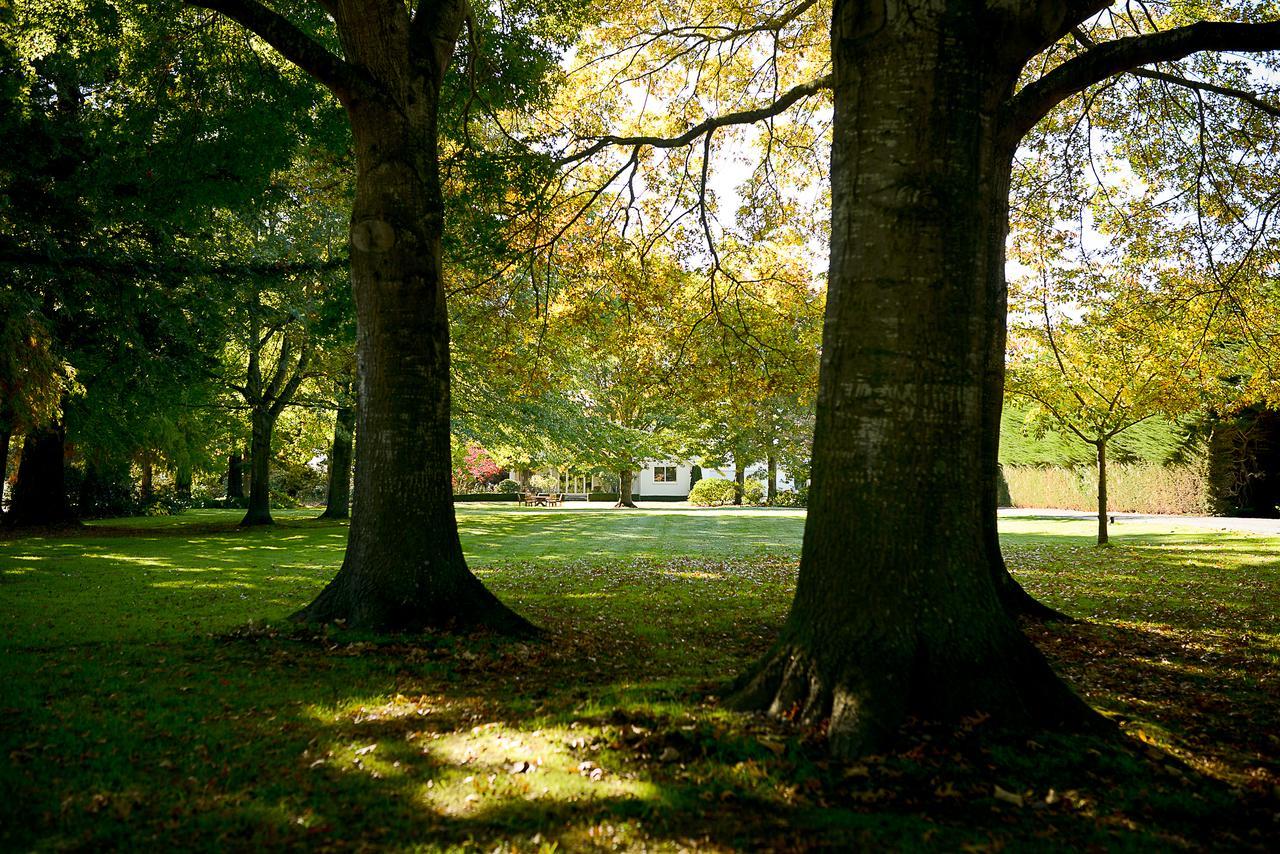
x=1131, y=488
x=487, y=496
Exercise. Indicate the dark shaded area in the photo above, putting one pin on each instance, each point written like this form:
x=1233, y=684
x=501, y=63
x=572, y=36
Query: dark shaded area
x=1244, y=464
x=39, y=494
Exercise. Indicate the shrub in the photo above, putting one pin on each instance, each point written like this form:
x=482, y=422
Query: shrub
x=791, y=498
x=712, y=492
x=753, y=492
x=509, y=486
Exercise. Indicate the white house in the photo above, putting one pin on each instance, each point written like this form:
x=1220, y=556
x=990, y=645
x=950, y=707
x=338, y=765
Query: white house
x=668, y=479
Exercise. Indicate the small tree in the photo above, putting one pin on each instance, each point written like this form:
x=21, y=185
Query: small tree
x=1139, y=356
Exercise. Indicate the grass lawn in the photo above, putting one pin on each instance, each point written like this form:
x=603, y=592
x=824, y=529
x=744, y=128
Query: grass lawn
x=152, y=694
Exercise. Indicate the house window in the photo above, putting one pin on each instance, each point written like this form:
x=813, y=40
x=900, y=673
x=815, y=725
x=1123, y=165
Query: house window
x=664, y=474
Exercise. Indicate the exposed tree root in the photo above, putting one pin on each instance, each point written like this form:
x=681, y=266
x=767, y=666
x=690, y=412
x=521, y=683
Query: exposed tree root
x=863, y=706
x=468, y=607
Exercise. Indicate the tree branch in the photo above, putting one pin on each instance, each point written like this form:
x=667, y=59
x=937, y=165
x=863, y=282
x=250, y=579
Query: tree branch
x=1201, y=86
x=1035, y=100
x=743, y=117
x=343, y=79
x=435, y=29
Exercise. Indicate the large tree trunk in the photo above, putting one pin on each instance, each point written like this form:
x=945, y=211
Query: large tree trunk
x=1102, y=492
x=895, y=613
x=39, y=495
x=624, y=489
x=404, y=569
x=1017, y=602
x=771, y=492
x=235, y=477
x=5, y=435
x=259, y=511
x=338, y=500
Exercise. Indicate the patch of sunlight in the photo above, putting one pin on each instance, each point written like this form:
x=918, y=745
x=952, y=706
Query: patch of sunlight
x=14, y=571
x=134, y=559
x=28, y=558
x=597, y=594
x=492, y=763
x=457, y=769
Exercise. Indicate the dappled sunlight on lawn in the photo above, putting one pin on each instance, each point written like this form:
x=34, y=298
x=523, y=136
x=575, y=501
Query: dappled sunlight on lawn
x=158, y=692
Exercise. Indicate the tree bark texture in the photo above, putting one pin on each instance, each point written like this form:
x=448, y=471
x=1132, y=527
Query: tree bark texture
x=39, y=495
x=259, y=510
x=6, y=435
x=772, y=485
x=1102, y=492
x=338, y=499
x=624, y=489
x=896, y=614
x=404, y=569
x=739, y=480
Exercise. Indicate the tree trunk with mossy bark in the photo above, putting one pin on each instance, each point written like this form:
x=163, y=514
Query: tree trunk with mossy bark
x=39, y=493
x=338, y=499
x=6, y=435
x=259, y=510
x=624, y=489
x=896, y=614
x=235, y=477
x=404, y=570
x=1017, y=602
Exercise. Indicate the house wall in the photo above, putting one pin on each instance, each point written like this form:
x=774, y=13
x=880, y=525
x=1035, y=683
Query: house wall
x=644, y=484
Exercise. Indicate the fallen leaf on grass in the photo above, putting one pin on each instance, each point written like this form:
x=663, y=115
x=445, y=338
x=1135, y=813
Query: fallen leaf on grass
x=1008, y=797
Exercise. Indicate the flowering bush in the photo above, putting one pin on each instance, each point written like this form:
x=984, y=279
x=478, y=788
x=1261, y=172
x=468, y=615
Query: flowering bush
x=477, y=472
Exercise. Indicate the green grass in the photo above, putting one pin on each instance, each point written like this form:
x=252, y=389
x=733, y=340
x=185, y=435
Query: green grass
x=152, y=694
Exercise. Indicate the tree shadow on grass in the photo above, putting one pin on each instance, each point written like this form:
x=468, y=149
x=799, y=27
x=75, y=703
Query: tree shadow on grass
x=1210, y=703
x=277, y=739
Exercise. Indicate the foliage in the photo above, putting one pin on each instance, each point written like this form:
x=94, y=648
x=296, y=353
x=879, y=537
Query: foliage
x=713, y=492
x=474, y=469
x=753, y=491
x=791, y=497
x=233, y=712
x=544, y=483
x=509, y=486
